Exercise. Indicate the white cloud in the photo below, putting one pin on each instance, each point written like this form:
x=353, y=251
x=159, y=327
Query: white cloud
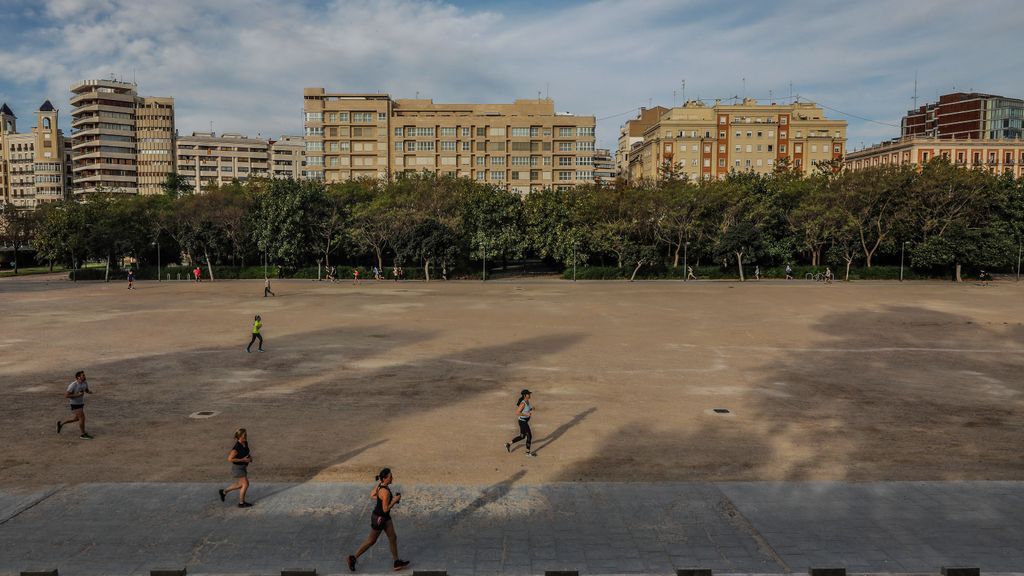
x=243, y=64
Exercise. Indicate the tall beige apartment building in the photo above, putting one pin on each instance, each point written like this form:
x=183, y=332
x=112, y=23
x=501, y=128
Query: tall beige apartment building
x=32, y=165
x=632, y=132
x=523, y=146
x=121, y=142
x=704, y=142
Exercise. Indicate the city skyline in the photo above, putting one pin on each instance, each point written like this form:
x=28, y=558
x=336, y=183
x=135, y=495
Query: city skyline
x=243, y=69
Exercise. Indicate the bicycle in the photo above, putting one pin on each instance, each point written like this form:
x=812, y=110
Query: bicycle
x=819, y=277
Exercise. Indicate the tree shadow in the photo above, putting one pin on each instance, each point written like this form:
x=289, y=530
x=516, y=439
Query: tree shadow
x=558, y=432
x=488, y=495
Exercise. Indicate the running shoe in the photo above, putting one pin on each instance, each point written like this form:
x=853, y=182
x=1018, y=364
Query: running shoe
x=59, y=426
x=508, y=447
x=261, y=350
x=399, y=564
x=244, y=505
x=86, y=436
x=352, y=563
x=531, y=454
x=222, y=495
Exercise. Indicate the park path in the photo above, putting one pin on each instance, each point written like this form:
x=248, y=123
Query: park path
x=508, y=528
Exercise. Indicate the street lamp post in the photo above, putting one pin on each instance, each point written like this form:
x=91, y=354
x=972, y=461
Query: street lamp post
x=902, y=248
x=483, y=277
x=158, y=259
x=1020, y=246
x=686, y=267
x=574, y=263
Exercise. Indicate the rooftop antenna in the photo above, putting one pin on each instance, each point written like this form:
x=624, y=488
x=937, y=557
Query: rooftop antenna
x=744, y=88
x=211, y=127
x=791, y=89
x=673, y=98
x=915, y=90
x=771, y=99
x=547, y=90
x=417, y=94
x=683, y=90
x=538, y=94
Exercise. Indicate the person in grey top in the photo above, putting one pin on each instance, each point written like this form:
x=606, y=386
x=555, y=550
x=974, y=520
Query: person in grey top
x=76, y=394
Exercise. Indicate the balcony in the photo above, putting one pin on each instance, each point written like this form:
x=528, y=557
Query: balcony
x=96, y=95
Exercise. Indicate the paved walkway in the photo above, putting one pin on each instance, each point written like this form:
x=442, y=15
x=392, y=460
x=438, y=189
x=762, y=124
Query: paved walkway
x=596, y=528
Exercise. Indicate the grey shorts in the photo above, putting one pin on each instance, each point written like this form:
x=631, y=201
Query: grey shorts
x=239, y=471
x=77, y=407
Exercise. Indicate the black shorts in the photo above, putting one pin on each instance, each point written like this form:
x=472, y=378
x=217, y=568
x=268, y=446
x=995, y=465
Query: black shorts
x=382, y=526
x=79, y=407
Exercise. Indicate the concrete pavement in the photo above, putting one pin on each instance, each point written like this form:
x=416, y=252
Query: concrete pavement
x=516, y=529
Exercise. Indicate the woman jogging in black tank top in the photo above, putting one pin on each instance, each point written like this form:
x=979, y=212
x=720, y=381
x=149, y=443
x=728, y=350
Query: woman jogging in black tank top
x=380, y=520
x=524, y=410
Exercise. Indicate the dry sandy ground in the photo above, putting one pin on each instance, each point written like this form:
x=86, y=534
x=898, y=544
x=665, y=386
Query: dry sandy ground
x=866, y=381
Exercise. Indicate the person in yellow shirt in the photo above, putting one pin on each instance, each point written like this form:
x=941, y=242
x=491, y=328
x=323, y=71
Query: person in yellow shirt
x=256, y=325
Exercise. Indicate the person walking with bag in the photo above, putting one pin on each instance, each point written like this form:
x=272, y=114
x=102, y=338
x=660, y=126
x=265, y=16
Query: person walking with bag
x=380, y=520
x=524, y=410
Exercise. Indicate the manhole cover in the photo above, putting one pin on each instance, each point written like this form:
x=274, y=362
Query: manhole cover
x=721, y=411
x=203, y=414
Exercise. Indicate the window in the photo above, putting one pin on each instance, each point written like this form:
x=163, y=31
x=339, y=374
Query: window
x=771, y=162
x=481, y=132
x=425, y=131
x=707, y=162
x=567, y=175
x=707, y=134
x=399, y=146
x=737, y=163
x=707, y=148
x=782, y=147
x=721, y=162
x=314, y=116
x=497, y=160
x=737, y=134
x=345, y=146
x=749, y=148
x=565, y=161
x=497, y=175
x=382, y=117
x=721, y=135
x=314, y=146
x=480, y=174
x=783, y=120
x=584, y=175
x=782, y=134
x=721, y=119
x=448, y=146
x=799, y=133
x=481, y=146
x=520, y=132
x=466, y=133
x=500, y=132
x=760, y=147
x=584, y=130
x=584, y=160
x=520, y=160
x=836, y=149
x=814, y=147
x=584, y=146
x=466, y=146
x=332, y=117
x=398, y=132
x=481, y=161
x=770, y=146
x=363, y=117
x=310, y=131
x=739, y=148
x=228, y=168
x=748, y=163
x=565, y=146
x=760, y=133
x=721, y=148
x=448, y=131
x=410, y=146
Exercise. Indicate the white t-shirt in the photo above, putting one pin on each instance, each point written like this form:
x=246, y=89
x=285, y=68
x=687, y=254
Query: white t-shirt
x=75, y=388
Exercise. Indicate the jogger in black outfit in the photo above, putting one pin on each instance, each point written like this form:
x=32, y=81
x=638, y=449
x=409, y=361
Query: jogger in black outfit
x=380, y=520
x=523, y=412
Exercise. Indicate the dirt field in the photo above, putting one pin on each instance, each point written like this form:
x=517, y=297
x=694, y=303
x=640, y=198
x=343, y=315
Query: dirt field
x=867, y=381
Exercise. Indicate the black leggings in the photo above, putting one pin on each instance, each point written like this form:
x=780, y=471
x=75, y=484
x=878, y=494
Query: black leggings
x=254, y=338
x=524, y=432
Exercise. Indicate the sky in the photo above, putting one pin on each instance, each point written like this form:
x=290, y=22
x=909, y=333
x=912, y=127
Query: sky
x=242, y=64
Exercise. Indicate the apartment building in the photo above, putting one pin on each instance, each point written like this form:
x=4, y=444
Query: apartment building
x=207, y=160
x=632, y=132
x=522, y=146
x=703, y=142
x=1000, y=156
x=121, y=142
x=288, y=157
x=969, y=116
x=604, y=166
x=32, y=165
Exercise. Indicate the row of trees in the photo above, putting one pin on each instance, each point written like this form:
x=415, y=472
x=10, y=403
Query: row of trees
x=944, y=216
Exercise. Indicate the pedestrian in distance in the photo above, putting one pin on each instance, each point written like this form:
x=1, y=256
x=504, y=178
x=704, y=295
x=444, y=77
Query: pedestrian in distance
x=789, y=272
x=76, y=392
x=828, y=275
x=240, y=457
x=524, y=411
x=266, y=287
x=355, y=275
x=376, y=273
x=131, y=279
x=198, y=273
x=394, y=272
x=757, y=272
x=380, y=520
x=689, y=273
x=256, y=326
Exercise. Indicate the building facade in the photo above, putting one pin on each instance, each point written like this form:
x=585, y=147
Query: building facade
x=1000, y=156
x=523, y=146
x=207, y=160
x=632, y=132
x=121, y=142
x=604, y=166
x=968, y=116
x=288, y=157
x=704, y=142
x=32, y=165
